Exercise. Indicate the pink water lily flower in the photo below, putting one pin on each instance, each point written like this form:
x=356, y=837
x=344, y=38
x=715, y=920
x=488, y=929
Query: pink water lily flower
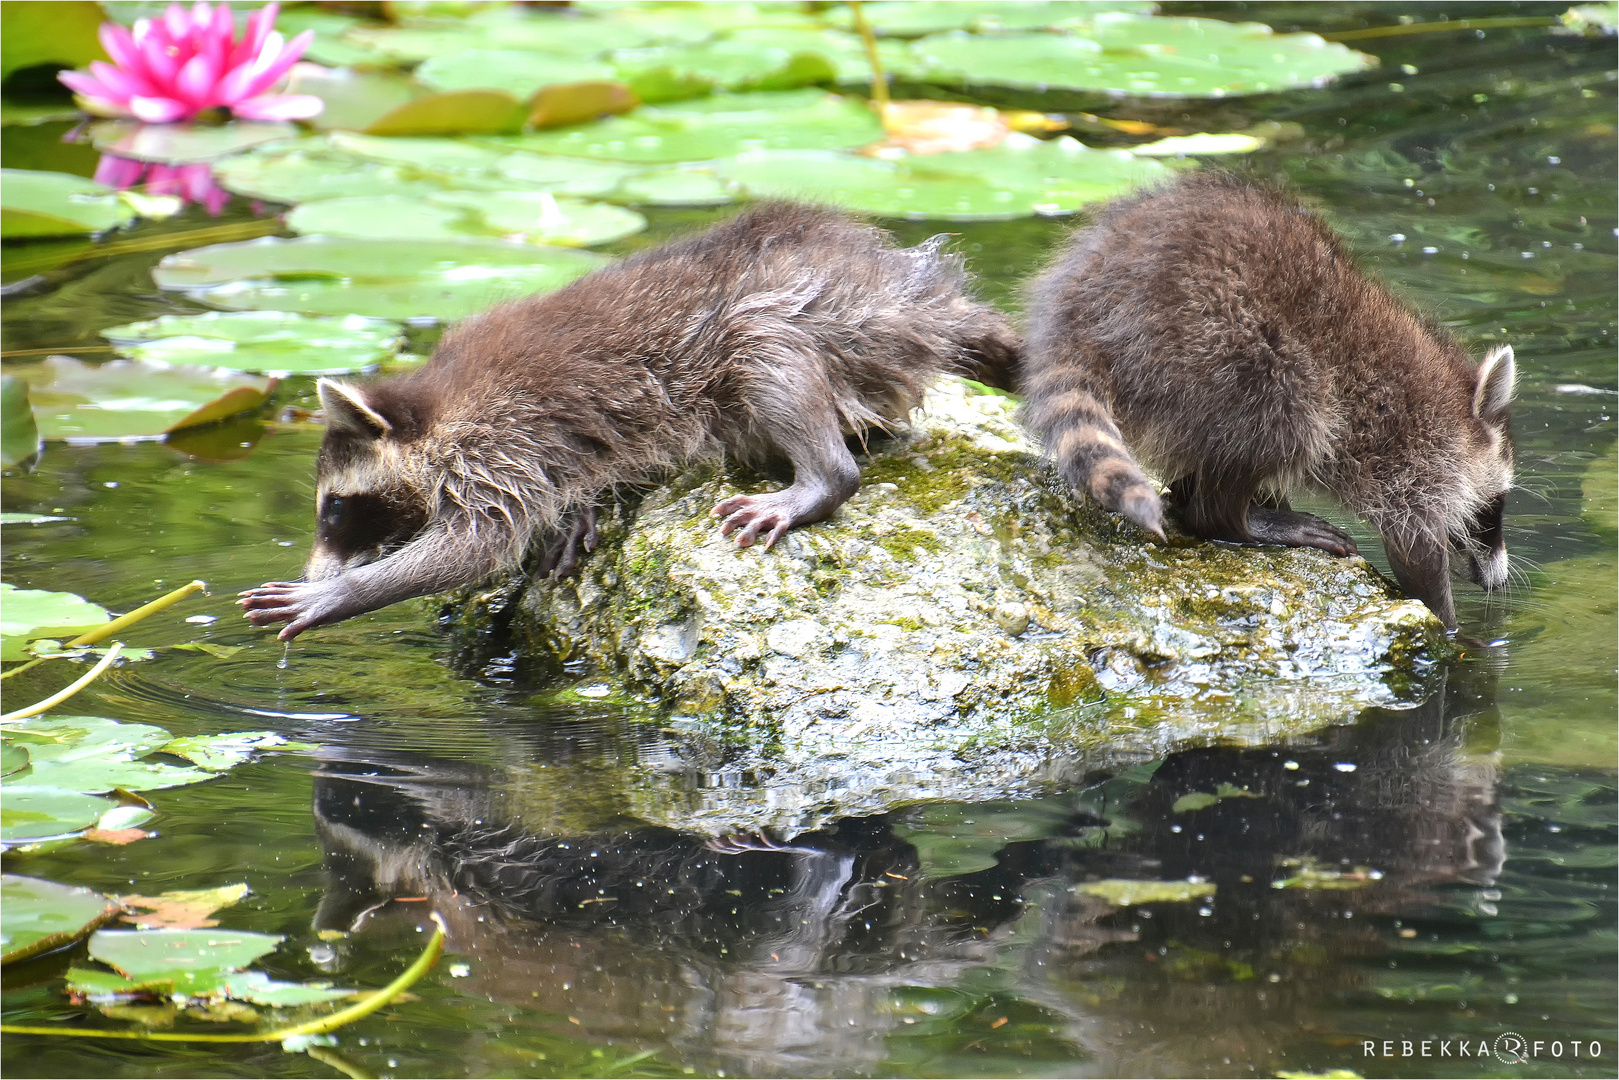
x=182, y=64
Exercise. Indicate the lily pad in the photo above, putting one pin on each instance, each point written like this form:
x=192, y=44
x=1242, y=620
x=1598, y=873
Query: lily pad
x=541, y=218
x=13, y=759
x=391, y=279
x=31, y=812
x=57, y=204
x=1144, y=56
x=734, y=65
x=1126, y=892
x=354, y=99
x=91, y=754
x=430, y=155
x=717, y=127
x=128, y=399
x=216, y=753
x=566, y=176
x=1201, y=144
x=194, y=963
x=519, y=73
x=269, y=342
x=846, y=53
x=19, y=435
x=183, y=909
x=26, y=614
x=913, y=18
x=1021, y=177
x=179, y=144
x=316, y=169
x=42, y=916
x=453, y=112
x=676, y=187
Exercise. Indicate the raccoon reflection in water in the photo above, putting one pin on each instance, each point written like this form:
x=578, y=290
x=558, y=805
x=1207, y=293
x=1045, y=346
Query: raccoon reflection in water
x=770, y=336
x=1219, y=332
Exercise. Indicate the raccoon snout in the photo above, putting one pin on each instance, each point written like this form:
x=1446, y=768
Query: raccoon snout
x=1490, y=570
x=322, y=565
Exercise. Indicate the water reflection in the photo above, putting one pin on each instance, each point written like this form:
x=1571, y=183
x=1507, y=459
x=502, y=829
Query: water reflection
x=826, y=951
x=193, y=182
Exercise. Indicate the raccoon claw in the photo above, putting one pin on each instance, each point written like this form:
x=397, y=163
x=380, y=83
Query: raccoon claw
x=561, y=556
x=299, y=604
x=753, y=515
x=1295, y=529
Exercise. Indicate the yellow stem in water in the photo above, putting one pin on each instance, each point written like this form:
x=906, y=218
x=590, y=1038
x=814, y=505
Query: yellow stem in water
x=407, y=978
x=108, y=629
x=879, y=81
x=1450, y=24
x=67, y=691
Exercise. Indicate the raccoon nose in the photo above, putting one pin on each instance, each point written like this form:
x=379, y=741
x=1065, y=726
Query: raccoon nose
x=322, y=565
x=1490, y=571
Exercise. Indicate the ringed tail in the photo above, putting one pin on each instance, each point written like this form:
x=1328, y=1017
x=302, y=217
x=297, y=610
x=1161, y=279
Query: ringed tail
x=1084, y=444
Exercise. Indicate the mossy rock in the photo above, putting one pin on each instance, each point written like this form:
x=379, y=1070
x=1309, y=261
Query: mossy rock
x=960, y=629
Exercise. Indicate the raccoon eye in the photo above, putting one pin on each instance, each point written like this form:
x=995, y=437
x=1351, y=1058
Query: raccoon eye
x=331, y=511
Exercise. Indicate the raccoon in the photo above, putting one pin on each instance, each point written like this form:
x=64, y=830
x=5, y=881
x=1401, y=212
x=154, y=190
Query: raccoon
x=1219, y=331
x=772, y=335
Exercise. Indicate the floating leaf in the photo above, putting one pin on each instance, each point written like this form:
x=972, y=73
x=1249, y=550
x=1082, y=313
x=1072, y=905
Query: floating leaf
x=260, y=989
x=1127, y=892
x=42, y=916
x=1144, y=56
x=63, y=32
x=456, y=112
x=92, y=754
x=844, y=53
x=269, y=342
x=1020, y=177
x=575, y=103
x=26, y=614
x=354, y=99
x=193, y=963
x=676, y=187
x=31, y=812
x=315, y=169
x=716, y=127
x=57, y=204
x=217, y=753
x=187, y=909
x=518, y=73
x=393, y=279
x=564, y=175
x=913, y=18
x=540, y=217
x=1312, y=874
x=13, y=759
x=129, y=399
x=179, y=144
x=938, y=127
x=19, y=435
x=1593, y=20
x=735, y=65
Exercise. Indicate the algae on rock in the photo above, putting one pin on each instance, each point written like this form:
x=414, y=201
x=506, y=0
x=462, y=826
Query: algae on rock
x=956, y=628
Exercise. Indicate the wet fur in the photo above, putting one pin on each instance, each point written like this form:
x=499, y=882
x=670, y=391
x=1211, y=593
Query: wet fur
x=770, y=336
x=1221, y=331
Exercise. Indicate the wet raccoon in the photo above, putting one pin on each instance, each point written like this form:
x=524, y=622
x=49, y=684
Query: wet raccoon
x=769, y=336
x=1219, y=331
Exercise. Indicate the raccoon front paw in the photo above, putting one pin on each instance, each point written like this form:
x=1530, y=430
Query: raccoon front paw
x=753, y=515
x=1295, y=529
x=561, y=556
x=299, y=604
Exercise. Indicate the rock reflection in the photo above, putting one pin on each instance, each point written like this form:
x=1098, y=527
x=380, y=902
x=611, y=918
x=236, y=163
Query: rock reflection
x=834, y=951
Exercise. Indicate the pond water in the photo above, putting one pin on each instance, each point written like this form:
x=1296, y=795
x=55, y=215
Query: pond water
x=946, y=939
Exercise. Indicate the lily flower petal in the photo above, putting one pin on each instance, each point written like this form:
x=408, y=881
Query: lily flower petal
x=159, y=110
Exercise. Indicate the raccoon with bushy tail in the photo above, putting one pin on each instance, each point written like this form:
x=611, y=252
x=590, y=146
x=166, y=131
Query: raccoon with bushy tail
x=772, y=335
x=1218, y=332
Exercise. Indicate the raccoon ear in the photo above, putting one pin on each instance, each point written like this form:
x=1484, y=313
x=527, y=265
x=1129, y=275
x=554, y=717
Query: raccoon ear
x=1496, y=382
x=347, y=411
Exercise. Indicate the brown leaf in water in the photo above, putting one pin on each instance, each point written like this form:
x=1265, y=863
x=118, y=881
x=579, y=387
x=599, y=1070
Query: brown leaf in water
x=116, y=836
x=184, y=909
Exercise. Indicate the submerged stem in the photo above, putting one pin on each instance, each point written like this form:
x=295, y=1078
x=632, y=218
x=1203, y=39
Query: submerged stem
x=69, y=690
x=1450, y=24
